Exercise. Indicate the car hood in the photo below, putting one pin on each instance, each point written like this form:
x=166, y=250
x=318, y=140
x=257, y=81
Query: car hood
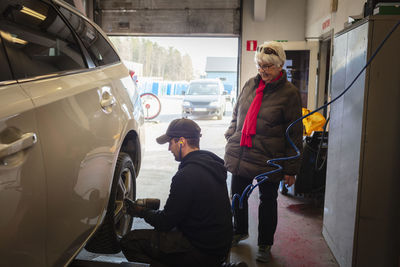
x=201, y=98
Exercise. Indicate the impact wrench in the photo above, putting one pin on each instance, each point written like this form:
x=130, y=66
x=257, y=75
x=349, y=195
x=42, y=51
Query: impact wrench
x=135, y=208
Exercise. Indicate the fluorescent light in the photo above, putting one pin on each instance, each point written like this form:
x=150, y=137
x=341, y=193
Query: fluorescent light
x=12, y=39
x=19, y=41
x=32, y=13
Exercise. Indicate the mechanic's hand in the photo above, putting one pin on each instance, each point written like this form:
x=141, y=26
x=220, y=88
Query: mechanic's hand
x=289, y=179
x=133, y=209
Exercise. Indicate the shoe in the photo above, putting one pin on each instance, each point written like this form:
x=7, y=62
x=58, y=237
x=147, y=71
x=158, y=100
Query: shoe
x=238, y=237
x=238, y=264
x=264, y=254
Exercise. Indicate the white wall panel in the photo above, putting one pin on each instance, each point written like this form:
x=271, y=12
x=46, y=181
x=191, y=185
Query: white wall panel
x=285, y=20
x=318, y=11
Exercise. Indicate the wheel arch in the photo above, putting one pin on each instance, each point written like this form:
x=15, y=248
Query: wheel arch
x=132, y=146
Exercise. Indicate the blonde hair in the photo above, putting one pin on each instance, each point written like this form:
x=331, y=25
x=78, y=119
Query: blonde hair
x=270, y=53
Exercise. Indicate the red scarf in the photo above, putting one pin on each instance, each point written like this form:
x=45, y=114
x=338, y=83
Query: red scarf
x=250, y=122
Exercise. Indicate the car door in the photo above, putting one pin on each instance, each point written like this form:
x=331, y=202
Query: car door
x=81, y=140
x=22, y=178
x=78, y=120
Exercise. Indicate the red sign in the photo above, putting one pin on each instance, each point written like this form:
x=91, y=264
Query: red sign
x=326, y=24
x=251, y=45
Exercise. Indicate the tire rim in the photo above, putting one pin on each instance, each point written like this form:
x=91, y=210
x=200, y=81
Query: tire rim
x=124, y=190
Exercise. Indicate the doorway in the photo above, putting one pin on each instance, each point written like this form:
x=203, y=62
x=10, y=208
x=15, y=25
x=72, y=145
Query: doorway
x=323, y=94
x=296, y=66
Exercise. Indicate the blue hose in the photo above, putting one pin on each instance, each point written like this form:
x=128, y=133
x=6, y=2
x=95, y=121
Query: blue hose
x=261, y=178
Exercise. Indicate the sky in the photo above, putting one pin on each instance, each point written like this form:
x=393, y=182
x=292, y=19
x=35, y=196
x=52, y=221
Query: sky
x=199, y=48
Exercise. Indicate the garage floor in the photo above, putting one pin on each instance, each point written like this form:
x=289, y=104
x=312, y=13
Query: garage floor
x=298, y=240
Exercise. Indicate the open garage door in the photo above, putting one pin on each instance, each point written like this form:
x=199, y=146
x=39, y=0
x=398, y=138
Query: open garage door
x=162, y=17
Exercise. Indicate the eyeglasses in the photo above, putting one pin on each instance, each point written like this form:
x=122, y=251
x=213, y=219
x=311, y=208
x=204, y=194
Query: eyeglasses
x=265, y=67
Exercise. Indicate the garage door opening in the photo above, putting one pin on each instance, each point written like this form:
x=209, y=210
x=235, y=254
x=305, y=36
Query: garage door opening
x=165, y=66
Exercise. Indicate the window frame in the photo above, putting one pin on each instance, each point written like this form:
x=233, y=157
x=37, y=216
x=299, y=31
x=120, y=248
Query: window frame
x=57, y=4
x=94, y=25
x=7, y=64
x=83, y=53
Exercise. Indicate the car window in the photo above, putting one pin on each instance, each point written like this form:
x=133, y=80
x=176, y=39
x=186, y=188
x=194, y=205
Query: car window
x=37, y=40
x=203, y=89
x=5, y=73
x=99, y=49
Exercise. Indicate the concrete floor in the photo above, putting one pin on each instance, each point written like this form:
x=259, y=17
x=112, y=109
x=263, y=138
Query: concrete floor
x=298, y=239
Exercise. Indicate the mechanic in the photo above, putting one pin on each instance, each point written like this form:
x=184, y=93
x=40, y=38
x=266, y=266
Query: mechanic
x=195, y=226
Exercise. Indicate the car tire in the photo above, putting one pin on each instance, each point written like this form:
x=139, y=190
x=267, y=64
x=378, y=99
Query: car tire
x=116, y=222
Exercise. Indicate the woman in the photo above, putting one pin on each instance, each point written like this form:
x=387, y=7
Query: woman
x=266, y=106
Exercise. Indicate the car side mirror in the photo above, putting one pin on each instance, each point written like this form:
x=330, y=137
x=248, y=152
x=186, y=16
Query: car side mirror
x=225, y=92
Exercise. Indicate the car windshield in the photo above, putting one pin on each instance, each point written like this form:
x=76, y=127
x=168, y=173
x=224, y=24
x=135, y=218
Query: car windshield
x=203, y=89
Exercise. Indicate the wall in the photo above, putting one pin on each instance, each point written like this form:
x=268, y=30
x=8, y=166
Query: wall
x=301, y=23
x=319, y=12
x=284, y=20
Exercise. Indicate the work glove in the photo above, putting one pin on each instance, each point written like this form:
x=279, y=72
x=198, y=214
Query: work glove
x=133, y=209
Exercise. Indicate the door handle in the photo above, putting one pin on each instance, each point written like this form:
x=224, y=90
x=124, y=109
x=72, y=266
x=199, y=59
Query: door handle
x=27, y=140
x=107, y=100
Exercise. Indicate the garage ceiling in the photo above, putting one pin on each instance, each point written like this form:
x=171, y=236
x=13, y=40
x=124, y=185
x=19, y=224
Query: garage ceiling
x=169, y=17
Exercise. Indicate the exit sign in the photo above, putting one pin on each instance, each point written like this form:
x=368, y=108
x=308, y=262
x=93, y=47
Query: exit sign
x=326, y=24
x=251, y=45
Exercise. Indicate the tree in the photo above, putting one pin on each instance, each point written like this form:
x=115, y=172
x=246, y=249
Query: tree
x=187, y=68
x=157, y=61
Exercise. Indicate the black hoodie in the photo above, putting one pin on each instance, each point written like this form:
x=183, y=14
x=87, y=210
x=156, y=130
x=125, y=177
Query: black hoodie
x=198, y=204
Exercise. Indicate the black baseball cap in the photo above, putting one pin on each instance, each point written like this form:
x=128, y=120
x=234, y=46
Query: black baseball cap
x=180, y=128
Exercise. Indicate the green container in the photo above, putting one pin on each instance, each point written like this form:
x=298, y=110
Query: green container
x=387, y=10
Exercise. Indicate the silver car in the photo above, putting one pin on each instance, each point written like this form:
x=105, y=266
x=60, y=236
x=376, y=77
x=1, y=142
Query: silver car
x=71, y=136
x=204, y=97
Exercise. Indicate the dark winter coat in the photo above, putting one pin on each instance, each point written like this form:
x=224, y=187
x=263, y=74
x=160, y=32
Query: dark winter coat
x=198, y=204
x=281, y=105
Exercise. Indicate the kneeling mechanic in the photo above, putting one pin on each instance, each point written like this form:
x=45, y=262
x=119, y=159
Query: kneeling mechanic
x=195, y=226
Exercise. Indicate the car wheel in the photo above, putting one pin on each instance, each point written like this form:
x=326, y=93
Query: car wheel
x=116, y=222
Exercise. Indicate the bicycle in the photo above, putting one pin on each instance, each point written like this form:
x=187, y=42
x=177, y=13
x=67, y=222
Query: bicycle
x=151, y=105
